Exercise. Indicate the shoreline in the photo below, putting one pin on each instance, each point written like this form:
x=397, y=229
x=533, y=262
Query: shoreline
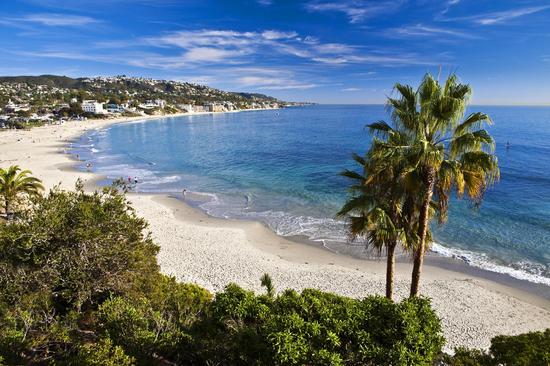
x=212, y=252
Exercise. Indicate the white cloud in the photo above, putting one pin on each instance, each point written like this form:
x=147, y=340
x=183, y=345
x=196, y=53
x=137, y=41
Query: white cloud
x=273, y=34
x=53, y=20
x=334, y=48
x=205, y=37
x=191, y=49
x=209, y=54
x=377, y=59
x=503, y=16
x=420, y=30
x=270, y=79
x=351, y=89
x=288, y=87
x=355, y=10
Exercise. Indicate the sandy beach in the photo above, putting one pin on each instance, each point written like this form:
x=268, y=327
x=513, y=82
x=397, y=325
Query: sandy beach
x=213, y=252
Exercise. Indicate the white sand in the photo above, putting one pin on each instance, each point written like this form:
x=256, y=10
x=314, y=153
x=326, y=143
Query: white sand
x=213, y=252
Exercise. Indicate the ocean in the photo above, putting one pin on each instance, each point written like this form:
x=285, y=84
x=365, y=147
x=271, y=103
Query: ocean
x=281, y=167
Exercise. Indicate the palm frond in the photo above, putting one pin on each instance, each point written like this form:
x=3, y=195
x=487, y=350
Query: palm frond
x=473, y=121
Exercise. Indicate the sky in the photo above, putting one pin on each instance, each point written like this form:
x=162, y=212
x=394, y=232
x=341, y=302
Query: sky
x=325, y=51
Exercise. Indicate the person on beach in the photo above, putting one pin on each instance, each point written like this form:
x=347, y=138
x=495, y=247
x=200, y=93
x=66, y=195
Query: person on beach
x=183, y=192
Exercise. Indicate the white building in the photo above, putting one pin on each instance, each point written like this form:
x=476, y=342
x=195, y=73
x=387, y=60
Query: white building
x=188, y=108
x=160, y=102
x=150, y=104
x=12, y=107
x=91, y=106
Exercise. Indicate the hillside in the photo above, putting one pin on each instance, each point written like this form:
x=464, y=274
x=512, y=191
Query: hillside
x=122, y=88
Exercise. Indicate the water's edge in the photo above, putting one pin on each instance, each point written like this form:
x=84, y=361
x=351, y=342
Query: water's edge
x=456, y=260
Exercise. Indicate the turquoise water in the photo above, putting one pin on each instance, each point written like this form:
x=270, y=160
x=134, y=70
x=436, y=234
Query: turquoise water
x=281, y=167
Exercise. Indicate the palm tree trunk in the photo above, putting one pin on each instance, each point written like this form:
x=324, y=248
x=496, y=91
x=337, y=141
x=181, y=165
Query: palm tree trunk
x=423, y=222
x=390, y=267
x=7, y=207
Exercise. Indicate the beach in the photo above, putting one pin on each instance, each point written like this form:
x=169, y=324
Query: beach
x=213, y=252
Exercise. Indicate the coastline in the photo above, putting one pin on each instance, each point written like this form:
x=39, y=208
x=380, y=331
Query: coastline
x=213, y=252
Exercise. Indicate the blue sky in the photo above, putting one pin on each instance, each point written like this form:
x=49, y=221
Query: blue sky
x=328, y=51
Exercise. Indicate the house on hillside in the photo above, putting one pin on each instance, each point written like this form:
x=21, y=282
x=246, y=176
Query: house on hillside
x=92, y=106
x=187, y=108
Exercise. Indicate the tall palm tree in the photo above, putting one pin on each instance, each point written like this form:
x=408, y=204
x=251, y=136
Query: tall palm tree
x=374, y=210
x=15, y=183
x=443, y=150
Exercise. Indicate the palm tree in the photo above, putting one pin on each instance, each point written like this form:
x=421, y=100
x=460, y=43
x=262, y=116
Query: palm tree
x=442, y=150
x=374, y=210
x=15, y=183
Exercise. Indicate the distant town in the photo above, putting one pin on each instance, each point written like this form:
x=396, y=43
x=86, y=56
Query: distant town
x=28, y=101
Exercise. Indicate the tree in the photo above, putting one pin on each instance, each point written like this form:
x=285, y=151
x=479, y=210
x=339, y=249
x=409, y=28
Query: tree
x=15, y=183
x=374, y=209
x=444, y=151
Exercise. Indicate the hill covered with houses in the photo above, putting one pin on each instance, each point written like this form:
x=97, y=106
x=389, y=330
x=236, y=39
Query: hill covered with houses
x=32, y=100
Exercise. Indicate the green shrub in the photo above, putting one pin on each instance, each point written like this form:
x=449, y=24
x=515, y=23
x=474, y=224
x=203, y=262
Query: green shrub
x=230, y=335
x=62, y=258
x=79, y=247
x=529, y=349
x=102, y=353
x=318, y=328
x=160, y=327
x=467, y=357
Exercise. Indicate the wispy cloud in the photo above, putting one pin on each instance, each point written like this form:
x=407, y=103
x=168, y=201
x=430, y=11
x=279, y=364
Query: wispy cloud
x=351, y=89
x=269, y=78
x=51, y=20
x=355, y=10
x=503, y=16
x=233, y=46
x=235, y=59
x=420, y=30
x=448, y=5
x=273, y=34
x=500, y=17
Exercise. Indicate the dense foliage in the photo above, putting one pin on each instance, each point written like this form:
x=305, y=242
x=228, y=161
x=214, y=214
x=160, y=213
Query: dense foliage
x=530, y=349
x=81, y=286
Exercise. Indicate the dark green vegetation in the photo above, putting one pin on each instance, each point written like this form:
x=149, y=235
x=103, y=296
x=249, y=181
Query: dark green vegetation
x=429, y=151
x=530, y=349
x=80, y=281
x=81, y=286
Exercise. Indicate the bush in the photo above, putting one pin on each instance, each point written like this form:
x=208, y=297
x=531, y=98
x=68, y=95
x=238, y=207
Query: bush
x=467, y=357
x=60, y=260
x=529, y=349
x=317, y=328
x=79, y=248
x=102, y=353
x=160, y=327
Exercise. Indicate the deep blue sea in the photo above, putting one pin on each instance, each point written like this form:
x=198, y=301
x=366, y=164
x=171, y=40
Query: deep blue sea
x=281, y=167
